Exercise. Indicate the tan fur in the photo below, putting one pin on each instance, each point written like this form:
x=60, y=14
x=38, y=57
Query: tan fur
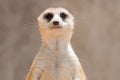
x=56, y=59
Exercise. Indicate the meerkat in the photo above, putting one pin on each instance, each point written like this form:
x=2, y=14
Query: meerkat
x=56, y=59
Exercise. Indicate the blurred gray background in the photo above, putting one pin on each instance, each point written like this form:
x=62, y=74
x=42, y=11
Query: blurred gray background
x=96, y=39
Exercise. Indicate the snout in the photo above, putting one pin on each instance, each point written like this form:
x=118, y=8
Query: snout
x=55, y=22
x=56, y=25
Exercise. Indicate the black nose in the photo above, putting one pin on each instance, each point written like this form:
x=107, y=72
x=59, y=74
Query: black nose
x=56, y=23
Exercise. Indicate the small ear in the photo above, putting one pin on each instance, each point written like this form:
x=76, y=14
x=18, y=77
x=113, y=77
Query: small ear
x=40, y=16
x=38, y=19
x=72, y=17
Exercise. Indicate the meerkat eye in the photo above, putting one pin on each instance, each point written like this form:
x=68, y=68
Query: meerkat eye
x=63, y=15
x=48, y=16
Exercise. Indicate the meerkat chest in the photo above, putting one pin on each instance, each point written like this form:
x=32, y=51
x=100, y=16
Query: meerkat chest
x=59, y=65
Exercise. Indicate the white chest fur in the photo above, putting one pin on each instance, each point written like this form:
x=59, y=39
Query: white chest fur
x=57, y=61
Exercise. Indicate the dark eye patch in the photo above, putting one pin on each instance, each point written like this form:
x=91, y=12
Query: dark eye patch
x=48, y=16
x=63, y=15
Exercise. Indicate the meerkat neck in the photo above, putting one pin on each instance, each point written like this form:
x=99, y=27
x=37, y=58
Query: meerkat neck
x=56, y=42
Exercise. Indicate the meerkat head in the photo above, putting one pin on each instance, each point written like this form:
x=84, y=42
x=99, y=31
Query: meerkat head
x=56, y=22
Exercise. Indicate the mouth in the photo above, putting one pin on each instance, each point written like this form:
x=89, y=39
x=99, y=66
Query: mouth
x=56, y=27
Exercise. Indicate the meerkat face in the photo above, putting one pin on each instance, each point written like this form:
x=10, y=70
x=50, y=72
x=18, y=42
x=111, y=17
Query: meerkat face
x=56, y=21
